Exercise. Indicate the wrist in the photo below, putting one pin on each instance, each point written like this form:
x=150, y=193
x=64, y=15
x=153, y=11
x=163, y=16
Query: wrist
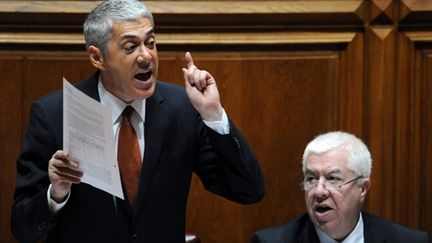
x=58, y=197
x=212, y=115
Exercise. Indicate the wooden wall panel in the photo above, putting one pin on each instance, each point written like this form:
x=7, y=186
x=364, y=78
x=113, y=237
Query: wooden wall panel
x=426, y=143
x=412, y=152
x=351, y=90
x=412, y=125
x=380, y=97
x=10, y=134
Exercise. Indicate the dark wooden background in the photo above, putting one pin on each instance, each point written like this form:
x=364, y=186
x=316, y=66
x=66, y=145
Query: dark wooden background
x=286, y=70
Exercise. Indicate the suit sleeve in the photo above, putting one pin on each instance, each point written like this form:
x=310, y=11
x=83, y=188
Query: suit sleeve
x=403, y=234
x=31, y=218
x=228, y=167
x=256, y=238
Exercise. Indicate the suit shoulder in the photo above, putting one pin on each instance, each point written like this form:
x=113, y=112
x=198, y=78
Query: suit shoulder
x=173, y=94
x=52, y=96
x=286, y=232
x=51, y=102
x=58, y=94
x=171, y=88
x=54, y=99
x=397, y=232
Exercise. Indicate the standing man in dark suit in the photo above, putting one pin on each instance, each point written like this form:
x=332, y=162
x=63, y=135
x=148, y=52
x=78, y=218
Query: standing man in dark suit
x=336, y=168
x=179, y=131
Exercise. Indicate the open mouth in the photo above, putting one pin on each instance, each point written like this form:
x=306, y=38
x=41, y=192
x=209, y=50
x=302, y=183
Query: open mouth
x=323, y=209
x=143, y=76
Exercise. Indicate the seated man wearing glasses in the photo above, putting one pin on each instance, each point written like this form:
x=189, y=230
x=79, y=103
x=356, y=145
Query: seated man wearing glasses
x=336, y=168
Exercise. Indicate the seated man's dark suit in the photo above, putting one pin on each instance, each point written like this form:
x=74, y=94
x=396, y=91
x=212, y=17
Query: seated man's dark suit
x=376, y=230
x=177, y=143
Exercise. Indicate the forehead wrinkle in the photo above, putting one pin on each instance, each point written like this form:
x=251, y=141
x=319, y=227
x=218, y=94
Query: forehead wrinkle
x=331, y=171
x=128, y=37
x=134, y=36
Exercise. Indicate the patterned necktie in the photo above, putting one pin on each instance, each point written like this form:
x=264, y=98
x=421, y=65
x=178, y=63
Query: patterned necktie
x=129, y=157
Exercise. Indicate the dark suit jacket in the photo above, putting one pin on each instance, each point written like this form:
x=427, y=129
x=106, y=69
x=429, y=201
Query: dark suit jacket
x=376, y=230
x=177, y=143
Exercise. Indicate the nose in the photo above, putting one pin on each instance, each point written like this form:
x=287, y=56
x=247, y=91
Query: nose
x=321, y=191
x=144, y=54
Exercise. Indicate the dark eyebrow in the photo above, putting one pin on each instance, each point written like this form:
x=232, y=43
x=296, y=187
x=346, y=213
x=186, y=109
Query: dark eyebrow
x=128, y=37
x=308, y=171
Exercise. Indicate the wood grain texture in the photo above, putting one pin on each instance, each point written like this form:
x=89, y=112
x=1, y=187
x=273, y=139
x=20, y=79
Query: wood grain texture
x=426, y=143
x=191, y=7
x=382, y=11
x=411, y=133
x=415, y=12
x=10, y=134
x=180, y=15
x=380, y=116
x=203, y=38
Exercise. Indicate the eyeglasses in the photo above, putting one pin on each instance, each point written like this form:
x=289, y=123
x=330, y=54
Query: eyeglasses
x=337, y=184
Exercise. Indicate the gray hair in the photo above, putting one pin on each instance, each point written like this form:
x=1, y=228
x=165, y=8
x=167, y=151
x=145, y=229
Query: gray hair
x=99, y=23
x=359, y=157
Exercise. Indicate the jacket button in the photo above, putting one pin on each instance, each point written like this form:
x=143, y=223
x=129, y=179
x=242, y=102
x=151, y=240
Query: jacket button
x=237, y=143
x=133, y=234
x=42, y=225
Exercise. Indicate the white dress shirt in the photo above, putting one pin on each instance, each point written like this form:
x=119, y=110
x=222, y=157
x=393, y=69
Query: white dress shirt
x=356, y=236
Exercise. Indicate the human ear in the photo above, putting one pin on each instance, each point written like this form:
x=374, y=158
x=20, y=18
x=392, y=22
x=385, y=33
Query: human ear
x=96, y=57
x=365, y=187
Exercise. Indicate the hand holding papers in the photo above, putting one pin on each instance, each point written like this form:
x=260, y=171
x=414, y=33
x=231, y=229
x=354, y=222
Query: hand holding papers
x=88, y=136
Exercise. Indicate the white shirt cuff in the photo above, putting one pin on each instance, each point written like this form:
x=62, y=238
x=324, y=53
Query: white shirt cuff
x=53, y=205
x=222, y=127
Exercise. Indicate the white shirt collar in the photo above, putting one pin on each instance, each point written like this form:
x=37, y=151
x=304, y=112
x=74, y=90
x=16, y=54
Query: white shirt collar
x=117, y=106
x=356, y=236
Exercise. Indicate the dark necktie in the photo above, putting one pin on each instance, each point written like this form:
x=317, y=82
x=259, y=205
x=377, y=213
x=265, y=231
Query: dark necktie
x=128, y=156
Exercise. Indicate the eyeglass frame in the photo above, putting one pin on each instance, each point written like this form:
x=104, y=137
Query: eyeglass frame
x=330, y=186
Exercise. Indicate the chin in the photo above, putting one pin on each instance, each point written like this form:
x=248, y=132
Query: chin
x=144, y=94
x=330, y=229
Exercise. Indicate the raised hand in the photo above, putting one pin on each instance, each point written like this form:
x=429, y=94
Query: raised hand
x=202, y=91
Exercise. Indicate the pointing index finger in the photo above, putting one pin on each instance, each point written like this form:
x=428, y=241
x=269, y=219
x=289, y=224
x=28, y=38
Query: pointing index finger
x=189, y=60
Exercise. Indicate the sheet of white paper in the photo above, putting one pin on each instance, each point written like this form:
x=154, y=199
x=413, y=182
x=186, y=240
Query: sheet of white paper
x=88, y=136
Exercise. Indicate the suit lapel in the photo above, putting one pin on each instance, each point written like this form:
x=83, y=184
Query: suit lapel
x=308, y=235
x=372, y=232
x=89, y=87
x=156, y=120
